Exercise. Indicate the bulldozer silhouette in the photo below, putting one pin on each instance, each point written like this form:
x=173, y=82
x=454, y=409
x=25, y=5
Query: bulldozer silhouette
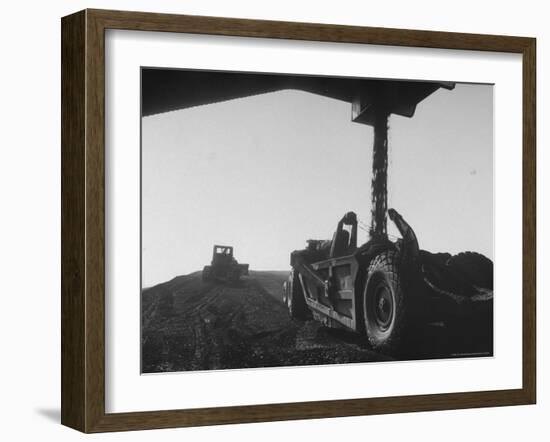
x=224, y=267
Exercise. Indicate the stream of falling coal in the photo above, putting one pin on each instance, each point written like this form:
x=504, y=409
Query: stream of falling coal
x=379, y=187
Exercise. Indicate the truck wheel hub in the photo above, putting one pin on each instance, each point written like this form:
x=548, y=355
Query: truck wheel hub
x=384, y=306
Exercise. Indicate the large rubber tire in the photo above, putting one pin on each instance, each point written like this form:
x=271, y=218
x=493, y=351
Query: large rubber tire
x=384, y=311
x=295, y=301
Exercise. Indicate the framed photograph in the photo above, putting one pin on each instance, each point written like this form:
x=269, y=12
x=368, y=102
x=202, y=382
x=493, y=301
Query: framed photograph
x=268, y=220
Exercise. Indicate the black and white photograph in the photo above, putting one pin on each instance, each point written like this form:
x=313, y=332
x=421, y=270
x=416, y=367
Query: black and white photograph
x=297, y=220
x=275, y=221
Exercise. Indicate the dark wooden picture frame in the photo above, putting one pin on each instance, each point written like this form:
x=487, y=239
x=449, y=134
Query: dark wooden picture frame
x=83, y=220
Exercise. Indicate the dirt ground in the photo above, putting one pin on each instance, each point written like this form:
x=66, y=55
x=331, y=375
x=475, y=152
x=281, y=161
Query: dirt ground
x=188, y=324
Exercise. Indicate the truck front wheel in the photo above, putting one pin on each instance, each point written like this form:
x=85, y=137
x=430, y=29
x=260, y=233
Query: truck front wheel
x=295, y=301
x=384, y=310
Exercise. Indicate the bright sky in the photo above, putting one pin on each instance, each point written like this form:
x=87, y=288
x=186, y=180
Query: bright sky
x=268, y=172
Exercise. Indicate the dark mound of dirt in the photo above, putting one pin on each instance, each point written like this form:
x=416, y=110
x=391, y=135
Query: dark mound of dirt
x=191, y=325
x=188, y=324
